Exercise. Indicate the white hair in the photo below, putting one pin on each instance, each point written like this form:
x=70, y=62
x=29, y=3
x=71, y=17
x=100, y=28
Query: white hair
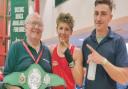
x=28, y=18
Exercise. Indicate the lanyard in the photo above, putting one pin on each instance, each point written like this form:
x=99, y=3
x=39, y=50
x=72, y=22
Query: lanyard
x=30, y=53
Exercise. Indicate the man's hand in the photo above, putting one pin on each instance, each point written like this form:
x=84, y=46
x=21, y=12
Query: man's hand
x=94, y=56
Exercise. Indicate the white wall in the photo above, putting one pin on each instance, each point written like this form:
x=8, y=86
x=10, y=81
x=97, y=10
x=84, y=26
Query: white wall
x=120, y=9
x=47, y=11
x=81, y=10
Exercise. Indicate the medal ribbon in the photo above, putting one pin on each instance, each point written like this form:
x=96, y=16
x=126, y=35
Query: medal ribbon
x=30, y=53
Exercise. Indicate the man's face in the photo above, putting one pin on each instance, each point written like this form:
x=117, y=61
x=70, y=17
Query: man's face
x=102, y=16
x=34, y=28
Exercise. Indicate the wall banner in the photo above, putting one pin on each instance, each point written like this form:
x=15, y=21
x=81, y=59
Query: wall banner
x=19, y=11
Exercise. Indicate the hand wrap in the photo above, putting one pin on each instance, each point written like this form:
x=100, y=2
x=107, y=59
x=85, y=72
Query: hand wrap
x=69, y=58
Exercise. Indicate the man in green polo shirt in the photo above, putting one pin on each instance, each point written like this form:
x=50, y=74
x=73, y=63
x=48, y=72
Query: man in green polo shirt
x=19, y=58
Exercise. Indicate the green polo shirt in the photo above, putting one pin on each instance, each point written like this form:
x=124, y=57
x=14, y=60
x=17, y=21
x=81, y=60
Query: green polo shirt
x=19, y=60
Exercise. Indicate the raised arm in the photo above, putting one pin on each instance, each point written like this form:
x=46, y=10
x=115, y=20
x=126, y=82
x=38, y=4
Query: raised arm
x=119, y=74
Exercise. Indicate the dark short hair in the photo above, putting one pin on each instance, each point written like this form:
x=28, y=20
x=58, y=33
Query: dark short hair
x=66, y=18
x=107, y=2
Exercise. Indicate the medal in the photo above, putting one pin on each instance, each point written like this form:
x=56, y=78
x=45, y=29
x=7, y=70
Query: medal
x=22, y=78
x=46, y=79
x=34, y=78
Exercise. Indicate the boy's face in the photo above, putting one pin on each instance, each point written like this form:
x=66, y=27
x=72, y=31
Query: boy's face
x=64, y=31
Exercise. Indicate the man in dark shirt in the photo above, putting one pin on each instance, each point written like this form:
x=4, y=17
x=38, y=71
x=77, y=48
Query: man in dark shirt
x=105, y=48
x=19, y=59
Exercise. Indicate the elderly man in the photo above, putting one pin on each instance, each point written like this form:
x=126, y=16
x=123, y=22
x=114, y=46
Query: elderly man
x=24, y=53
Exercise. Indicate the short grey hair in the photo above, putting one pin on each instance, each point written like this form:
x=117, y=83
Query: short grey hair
x=28, y=18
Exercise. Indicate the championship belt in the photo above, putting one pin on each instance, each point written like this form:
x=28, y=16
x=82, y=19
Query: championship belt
x=33, y=78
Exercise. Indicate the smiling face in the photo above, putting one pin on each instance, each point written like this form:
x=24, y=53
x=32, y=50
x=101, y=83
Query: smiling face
x=65, y=25
x=64, y=31
x=102, y=16
x=34, y=28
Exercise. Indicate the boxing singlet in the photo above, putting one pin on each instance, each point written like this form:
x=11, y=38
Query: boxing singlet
x=61, y=68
